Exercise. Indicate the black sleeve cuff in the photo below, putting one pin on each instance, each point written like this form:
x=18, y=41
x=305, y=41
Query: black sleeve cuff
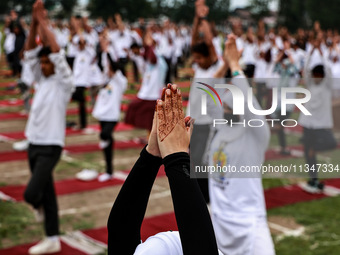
x=179, y=161
x=152, y=160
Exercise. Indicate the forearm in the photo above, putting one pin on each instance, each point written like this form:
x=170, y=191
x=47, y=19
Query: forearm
x=128, y=211
x=222, y=71
x=48, y=36
x=194, y=39
x=234, y=66
x=31, y=44
x=192, y=216
x=208, y=39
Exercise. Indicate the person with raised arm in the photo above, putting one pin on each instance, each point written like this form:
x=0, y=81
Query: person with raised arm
x=238, y=208
x=45, y=128
x=168, y=144
x=206, y=64
x=141, y=110
x=107, y=107
x=317, y=127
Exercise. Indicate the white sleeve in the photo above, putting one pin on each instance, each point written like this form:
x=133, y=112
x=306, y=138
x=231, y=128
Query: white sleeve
x=105, y=65
x=261, y=133
x=113, y=53
x=306, y=71
x=121, y=80
x=62, y=69
x=33, y=63
x=328, y=73
x=242, y=83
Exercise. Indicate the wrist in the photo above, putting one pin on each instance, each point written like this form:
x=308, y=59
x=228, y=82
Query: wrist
x=147, y=155
x=172, y=151
x=152, y=151
x=237, y=73
x=234, y=66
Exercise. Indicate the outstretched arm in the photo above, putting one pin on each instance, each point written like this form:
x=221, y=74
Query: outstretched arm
x=128, y=211
x=46, y=34
x=31, y=44
x=192, y=216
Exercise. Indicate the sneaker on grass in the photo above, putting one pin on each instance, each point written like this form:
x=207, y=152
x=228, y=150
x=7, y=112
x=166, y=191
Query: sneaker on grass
x=46, y=246
x=104, y=177
x=103, y=144
x=87, y=175
x=21, y=146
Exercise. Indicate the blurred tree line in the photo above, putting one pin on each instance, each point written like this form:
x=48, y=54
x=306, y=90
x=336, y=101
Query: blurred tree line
x=291, y=13
x=24, y=7
x=301, y=13
x=176, y=10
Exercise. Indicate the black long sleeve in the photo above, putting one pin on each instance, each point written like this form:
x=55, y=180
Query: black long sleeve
x=128, y=211
x=192, y=216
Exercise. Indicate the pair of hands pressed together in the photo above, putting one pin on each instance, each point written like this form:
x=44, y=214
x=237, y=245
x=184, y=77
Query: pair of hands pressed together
x=170, y=130
x=39, y=12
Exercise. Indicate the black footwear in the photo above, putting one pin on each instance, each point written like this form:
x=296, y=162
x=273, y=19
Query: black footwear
x=285, y=153
x=314, y=187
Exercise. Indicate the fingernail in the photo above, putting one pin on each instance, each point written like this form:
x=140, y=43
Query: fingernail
x=168, y=92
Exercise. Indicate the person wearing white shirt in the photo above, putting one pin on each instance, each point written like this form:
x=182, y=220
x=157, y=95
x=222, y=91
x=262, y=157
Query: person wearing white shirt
x=107, y=111
x=45, y=129
x=288, y=74
x=9, y=42
x=205, y=67
x=73, y=40
x=61, y=34
x=81, y=77
x=177, y=58
x=140, y=111
x=137, y=61
x=237, y=199
x=122, y=41
x=249, y=54
x=166, y=48
x=317, y=127
x=260, y=74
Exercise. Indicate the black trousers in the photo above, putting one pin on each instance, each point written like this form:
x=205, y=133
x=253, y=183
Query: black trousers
x=122, y=65
x=40, y=189
x=107, y=128
x=79, y=96
x=135, y=72
x=192, y=216
x=70, y=61
x=168, y=73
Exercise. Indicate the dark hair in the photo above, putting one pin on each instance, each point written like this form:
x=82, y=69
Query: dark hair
x=135, y=45
x=45, y=51
x=201, y=48
x=318, y=70
x=114, y=65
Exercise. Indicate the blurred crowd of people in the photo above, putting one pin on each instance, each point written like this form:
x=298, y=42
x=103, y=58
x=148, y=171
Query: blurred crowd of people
x=97, y=56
